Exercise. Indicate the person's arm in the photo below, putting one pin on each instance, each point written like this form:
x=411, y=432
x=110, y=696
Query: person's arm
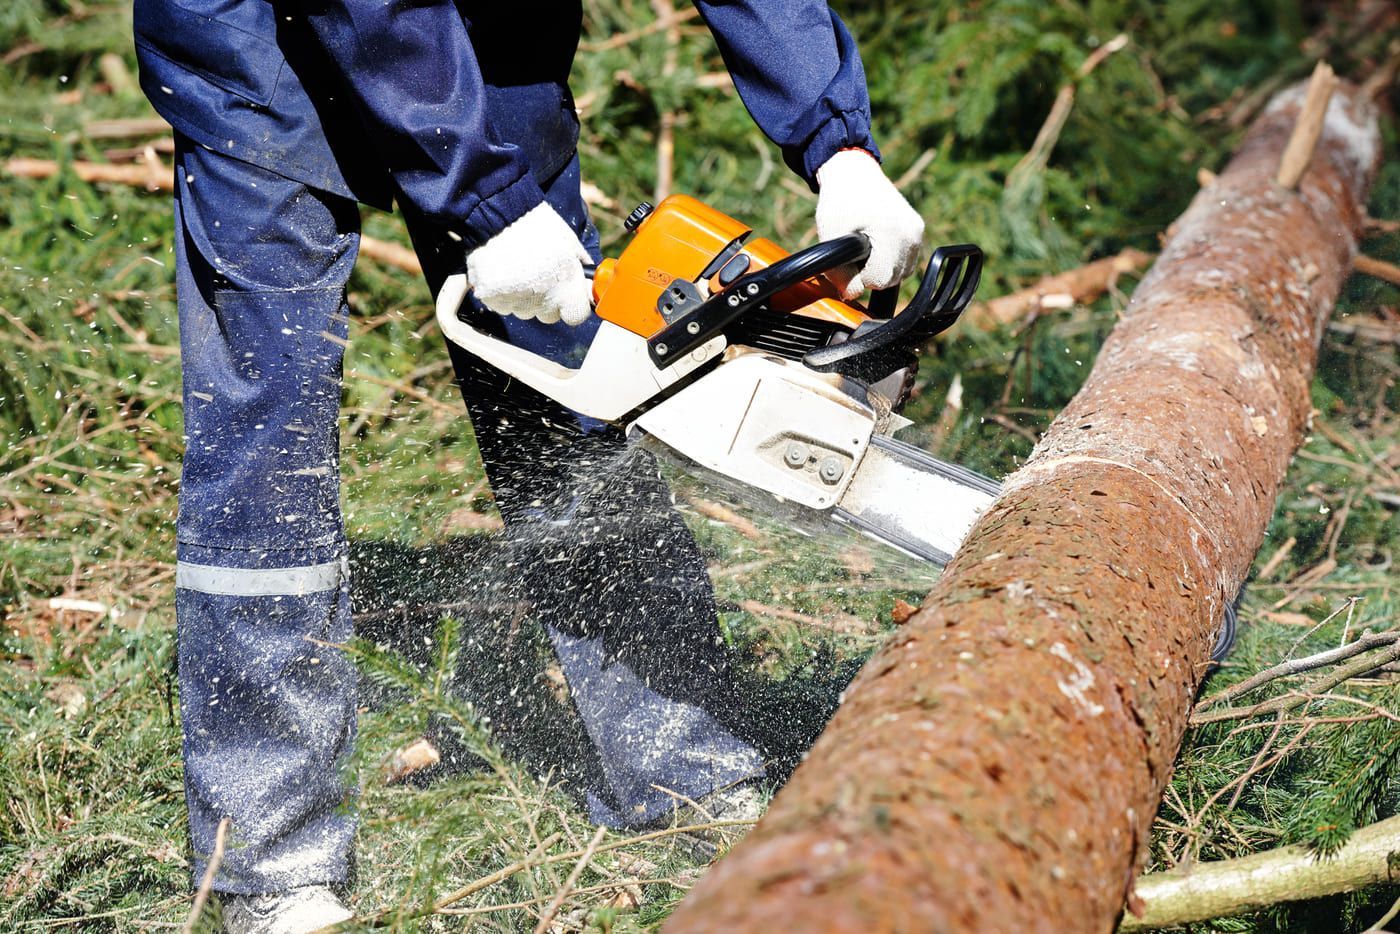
x=409, y=67
x=799, y=73
x=413, y=75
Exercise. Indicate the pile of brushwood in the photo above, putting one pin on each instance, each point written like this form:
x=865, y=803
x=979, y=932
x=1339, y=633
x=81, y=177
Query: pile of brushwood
x=1054, y=135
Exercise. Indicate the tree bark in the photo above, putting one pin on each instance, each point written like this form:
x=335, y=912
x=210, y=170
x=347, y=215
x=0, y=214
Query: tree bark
x=997, y=766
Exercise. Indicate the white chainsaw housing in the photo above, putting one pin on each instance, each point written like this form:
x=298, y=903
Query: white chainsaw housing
x=770, y=423
x=616, y=375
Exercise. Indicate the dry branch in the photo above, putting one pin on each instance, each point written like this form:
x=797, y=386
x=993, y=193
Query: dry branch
x=126, y=128
x=1356, y=668
x=1379, y=269
x=1292, y=873
x=1297, y=666
x=665, y=11
x=211, y=872
x=1306, y=132
x=390, y=254
x=1038, y=156
x=548, y=914
x=1379, y=332
x=117, y=75
x=1074, y=287
x=159, y=177
x=997, y=766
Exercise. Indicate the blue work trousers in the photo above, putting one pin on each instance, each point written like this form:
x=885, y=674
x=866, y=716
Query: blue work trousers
x=262, y=589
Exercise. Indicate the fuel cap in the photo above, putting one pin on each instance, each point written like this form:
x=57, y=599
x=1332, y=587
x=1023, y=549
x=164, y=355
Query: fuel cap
x=640, y=213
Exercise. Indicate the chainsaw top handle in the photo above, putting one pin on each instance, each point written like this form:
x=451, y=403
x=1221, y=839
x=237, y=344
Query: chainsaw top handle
x=878, y=347
x=702, y=322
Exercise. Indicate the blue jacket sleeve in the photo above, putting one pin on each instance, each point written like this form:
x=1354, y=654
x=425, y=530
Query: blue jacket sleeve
x=412, y=73
x=798, y=72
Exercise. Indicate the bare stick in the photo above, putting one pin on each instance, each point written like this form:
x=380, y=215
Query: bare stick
x=1382, y=78
x=630, y=886
x=1308, y=130
x=533, y=860
x=406, y=390
x=157, y=176
x=164, y=145
x=1230, y=887
x=1380, y=332
x=723, y=514
x=1277, y=558
x=1073, y=287
x=563, y=893
x=116, y=74
x=206, y=884
x=390, y=254
x=137, y=176
x=126, y=127
x=1379, y=225
x=1379, y=269
x=1296, y=666
x=1038, y=155
x=666, y=133
x=1389, y=916
x=839, y=622
x=632, y=35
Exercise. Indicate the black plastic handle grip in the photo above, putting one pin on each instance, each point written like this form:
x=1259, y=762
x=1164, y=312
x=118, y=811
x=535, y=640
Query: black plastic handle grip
x=878, y=348
x=713, y=315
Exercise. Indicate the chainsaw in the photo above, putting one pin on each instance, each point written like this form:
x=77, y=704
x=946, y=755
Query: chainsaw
x=742, y=359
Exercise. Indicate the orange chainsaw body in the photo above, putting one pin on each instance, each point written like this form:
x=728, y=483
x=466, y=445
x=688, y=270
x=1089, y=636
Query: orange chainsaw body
x=680, y=239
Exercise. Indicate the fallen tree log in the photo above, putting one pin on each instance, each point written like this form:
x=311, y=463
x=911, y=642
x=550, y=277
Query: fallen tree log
x=1288, y=874
x=997, y=766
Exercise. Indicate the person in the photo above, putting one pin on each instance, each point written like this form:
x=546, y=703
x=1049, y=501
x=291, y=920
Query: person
x=286, y=115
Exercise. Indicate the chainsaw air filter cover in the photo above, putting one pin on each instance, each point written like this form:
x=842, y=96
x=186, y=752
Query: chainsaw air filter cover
x=684, y=252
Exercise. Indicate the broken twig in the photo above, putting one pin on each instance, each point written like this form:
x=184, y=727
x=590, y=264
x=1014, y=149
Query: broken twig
x=1308, y=128
x=548, y=914
x=1378, y=269
x=1073, y=287
x=206, y=884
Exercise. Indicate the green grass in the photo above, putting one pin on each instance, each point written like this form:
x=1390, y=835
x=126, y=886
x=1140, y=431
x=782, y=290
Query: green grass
x=92, y=827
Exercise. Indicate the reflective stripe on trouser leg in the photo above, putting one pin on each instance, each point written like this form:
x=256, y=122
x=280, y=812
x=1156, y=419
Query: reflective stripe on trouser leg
x=262, y=601
x=260, y=582
x=267, y=704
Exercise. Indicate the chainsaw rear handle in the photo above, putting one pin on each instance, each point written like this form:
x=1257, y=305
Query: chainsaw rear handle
x=614, y=379
x=709, y=319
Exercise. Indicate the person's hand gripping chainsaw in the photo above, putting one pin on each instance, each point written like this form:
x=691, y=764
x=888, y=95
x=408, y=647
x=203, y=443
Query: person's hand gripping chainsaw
x=534, y=268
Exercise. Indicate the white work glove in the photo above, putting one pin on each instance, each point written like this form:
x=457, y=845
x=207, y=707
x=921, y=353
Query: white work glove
x=533, y=269
x=855, y=197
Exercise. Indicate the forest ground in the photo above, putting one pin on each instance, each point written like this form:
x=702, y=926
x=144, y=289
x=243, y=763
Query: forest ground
x=92, y=830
